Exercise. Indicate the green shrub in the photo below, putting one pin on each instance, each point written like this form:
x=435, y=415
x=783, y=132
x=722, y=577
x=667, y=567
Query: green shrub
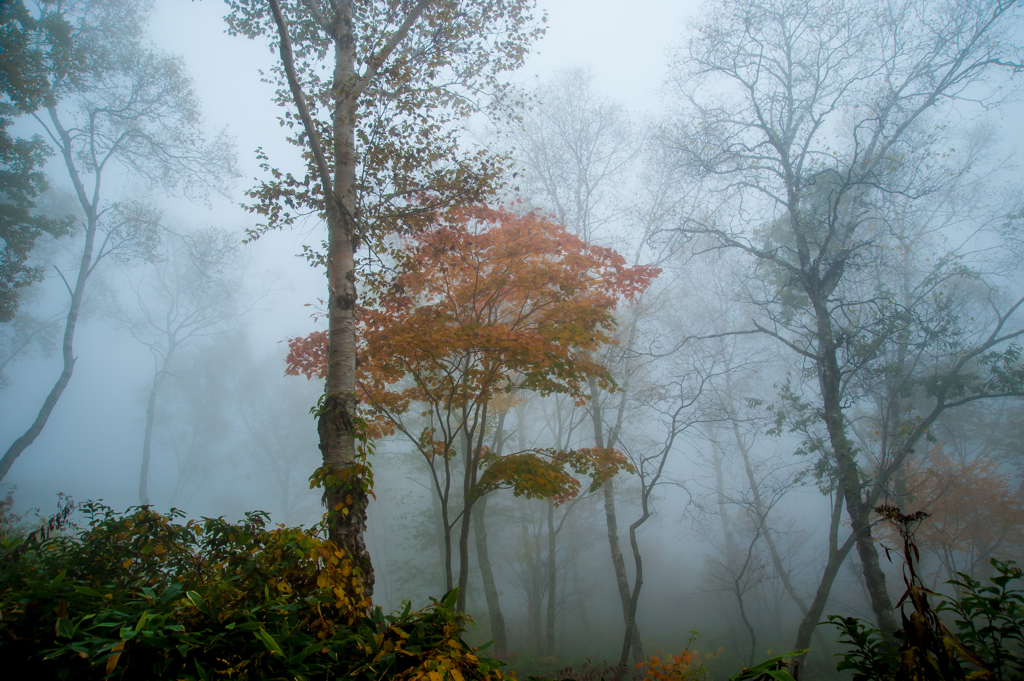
x=142, y=595
x=986, y=645
x=985, y=642
x=988, y=622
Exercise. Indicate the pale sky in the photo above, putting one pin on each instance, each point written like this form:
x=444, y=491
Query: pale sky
x=627, y=52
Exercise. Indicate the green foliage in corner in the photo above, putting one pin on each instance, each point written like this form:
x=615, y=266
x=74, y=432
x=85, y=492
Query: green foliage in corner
x=985, y=643
x=142, y=595
x=988, y=623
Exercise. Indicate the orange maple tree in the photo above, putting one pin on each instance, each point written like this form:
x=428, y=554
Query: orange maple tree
x=485, y=303
x=975, y=513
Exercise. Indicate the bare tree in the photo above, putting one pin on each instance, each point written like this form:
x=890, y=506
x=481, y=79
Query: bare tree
x=131, y=109
x=576, y=145
x=577, y=148
x=189, y=292
x=809, y=116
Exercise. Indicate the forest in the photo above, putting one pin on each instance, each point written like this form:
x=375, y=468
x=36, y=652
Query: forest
x=391, y=339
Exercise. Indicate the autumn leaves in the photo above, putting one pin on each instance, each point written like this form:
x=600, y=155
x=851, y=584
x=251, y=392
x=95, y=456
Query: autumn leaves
x=485, y=304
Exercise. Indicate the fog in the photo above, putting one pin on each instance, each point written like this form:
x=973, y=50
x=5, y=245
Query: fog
x=819, y=288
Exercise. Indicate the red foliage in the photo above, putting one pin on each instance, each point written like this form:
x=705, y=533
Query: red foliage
x=519, y=289
x=484, y=303
x=307, y=355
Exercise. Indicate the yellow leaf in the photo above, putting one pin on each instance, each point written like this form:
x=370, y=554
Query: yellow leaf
x=112, y=662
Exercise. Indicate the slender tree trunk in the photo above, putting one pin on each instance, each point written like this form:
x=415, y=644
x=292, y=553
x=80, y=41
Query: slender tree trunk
x=496, y=617
x=494, y=614
x=474, y=452
x=750, y=628
x=773, y=550
x=611, y=520
x=446, y=530
x=638, y=582
x=739, y=589
x=440, y=540
x=549, y=639
x=84, y=270
x=464, y=527
x=533, y=582
x=762, y=513
x=618, y=562
x=836, y=556
x=731, y=550
x=147, y=439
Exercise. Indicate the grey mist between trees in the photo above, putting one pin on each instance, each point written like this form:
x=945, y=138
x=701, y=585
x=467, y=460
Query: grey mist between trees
x=829, y=193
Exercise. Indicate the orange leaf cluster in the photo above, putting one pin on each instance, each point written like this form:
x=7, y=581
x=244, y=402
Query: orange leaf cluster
x=974, y=511
x=484, y=303
x=307, y=355
x=483, y=297
x=542, y=474
x=683, y=666
x=488, y=299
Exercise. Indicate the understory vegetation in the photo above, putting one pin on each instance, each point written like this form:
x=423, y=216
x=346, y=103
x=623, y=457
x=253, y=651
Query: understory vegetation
x=145, y=595
x=689, y=389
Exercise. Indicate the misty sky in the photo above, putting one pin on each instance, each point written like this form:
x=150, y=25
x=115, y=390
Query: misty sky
x=90, y=447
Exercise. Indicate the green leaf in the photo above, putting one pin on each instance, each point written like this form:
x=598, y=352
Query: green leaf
x=58, y=580
x=87, y=591
x=772, y=667
x=269, y=642
x=780, y=675
x=65, y=628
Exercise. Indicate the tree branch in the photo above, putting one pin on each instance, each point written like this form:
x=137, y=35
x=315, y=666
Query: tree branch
x=376, y=61
x=288, y=59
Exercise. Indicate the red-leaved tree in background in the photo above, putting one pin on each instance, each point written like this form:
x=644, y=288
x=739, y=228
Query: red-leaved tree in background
x=485, y=303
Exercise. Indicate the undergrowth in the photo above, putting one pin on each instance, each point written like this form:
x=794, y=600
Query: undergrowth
x=144, y=595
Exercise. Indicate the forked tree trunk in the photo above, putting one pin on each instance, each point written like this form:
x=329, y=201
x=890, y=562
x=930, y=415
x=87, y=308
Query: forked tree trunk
x=611, y=520
x=85, y=268
x=836, y=556
x=494, y=614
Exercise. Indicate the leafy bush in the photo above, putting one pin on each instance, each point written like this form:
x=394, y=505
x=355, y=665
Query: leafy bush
x=987, y=643
x=688, y=665
x=989, y=623
x=142, y=595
